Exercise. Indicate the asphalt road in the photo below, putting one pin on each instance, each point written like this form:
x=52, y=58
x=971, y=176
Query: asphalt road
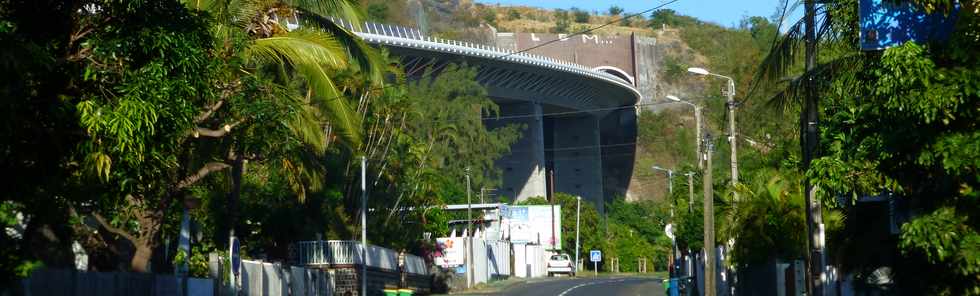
x=603, y=286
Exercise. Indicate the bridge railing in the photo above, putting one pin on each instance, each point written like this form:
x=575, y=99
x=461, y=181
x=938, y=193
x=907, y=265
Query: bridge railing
x=396, y=35
x=344, y=252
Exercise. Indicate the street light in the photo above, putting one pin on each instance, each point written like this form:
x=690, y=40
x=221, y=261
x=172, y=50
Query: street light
x=697, y=128
x=700, y=71
x=670, y=175
x=731, y=121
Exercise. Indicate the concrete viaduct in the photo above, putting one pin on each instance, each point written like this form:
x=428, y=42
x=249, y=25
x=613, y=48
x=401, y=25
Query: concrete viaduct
x=581, y=120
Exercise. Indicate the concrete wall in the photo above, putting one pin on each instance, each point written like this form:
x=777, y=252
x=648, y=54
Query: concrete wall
x=588, y=50
x=524, y=168
x=618, y=152
x=576, y=157
x=648, y=63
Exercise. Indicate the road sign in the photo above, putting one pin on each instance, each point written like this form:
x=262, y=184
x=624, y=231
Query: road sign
x=236, y=258
x=669, y=230
x=885, y=24
x=595, y=255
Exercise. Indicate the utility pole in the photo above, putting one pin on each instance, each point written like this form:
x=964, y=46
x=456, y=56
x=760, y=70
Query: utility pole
x=697, y=136
x=709, y=221
x=733, y=137
x=808, y=121
x=469, y=236
x=578, y=214
x=733, y=133
x=551, y=203
x=364, y=224
x=690, y=189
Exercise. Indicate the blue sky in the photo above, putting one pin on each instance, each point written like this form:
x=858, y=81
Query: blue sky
x=723, y=12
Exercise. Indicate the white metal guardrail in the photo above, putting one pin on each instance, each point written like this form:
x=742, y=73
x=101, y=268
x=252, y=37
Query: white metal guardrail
x=342, y=252
x=407, y=37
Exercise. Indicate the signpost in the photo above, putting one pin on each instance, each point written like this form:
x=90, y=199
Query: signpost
x=236, y=262
x=595, y=256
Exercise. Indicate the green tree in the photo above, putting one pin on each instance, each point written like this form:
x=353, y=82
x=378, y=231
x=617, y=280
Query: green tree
x=377, y=12
x=670, y=18
x=615, y=10
x=919, y=107
x=562, y=21
x=897, y=123
x=581, y=16
x=176, y=124
x=767, y=220
x=513, y=14
x=489, y=16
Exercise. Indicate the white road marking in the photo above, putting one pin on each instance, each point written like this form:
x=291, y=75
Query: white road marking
x=563, y=293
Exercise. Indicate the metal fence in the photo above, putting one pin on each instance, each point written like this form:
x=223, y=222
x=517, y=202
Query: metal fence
x=530, y=261
x=57, y=282
x=341, y=252
x=273, y=279
x=498, y=258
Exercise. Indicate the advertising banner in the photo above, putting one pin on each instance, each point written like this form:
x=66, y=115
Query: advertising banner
x=452, y=250
x=533, y=225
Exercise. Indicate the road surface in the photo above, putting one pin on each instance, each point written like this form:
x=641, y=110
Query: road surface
x=603, y=286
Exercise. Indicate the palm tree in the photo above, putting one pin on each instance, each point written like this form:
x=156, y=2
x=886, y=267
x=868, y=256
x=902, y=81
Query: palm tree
x=286, y=54
x=766, y=223
x=295, y=37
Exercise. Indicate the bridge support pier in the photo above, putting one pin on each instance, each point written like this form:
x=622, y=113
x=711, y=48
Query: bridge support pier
x=524, y=171
x=576, y=154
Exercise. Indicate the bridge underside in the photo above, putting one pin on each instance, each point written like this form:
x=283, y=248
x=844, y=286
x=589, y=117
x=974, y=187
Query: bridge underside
x=580, y=129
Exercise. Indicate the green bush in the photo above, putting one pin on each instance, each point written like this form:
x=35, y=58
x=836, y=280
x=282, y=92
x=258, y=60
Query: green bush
x=581, y=16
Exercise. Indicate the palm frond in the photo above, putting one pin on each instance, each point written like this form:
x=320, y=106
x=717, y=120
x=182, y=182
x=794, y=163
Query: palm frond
x=303, y=172
x=344, y=121
x=784, y=54
x=793, y=91
x=344, y=9
x=305, y=123
x=309, y=53
x=299, y=47
x=368, y=60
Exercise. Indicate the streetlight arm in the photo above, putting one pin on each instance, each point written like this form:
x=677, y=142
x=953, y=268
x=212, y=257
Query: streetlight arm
x=722, y=76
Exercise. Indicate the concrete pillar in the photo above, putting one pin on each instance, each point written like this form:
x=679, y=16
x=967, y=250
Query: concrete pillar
x=577, y=158
x=524, y=174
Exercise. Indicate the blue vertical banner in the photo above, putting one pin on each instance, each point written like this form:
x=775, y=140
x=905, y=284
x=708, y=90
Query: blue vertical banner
x=887, y=23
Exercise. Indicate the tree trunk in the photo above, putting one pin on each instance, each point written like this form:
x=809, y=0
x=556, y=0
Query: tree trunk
x=147, y=238
x=141, y=258
x=237, y=168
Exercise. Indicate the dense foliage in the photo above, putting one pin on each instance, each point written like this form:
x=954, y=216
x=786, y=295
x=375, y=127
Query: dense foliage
x=123, y=113
x=899, y=124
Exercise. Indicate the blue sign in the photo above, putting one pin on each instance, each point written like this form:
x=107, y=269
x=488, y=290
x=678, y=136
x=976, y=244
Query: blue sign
x=236, y=258
x=885, y=24
x=595, y=255
x=518, y=213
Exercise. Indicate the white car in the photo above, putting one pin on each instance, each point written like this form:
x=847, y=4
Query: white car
x=559, y=264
